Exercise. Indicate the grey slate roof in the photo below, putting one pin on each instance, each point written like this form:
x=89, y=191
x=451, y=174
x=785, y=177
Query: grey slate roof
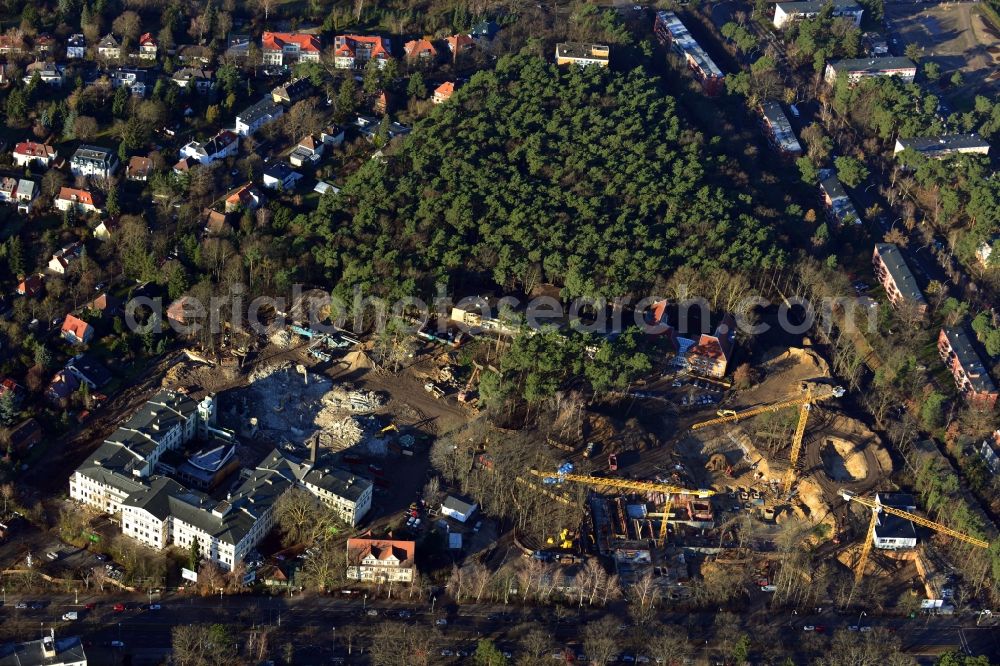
x=458, y=504
x=815, y=6
x=932, y=144
x=970, y=360
x=68, y=651
x=873, y=65
x=895, y=264
x=262, y=109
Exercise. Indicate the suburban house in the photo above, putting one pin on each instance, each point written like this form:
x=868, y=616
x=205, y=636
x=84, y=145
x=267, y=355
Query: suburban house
x=8, y=188
x=105, y=229
x=444, y=92
x=280, y=176
x=222, y=145
x=459, y=44
x=860, y=68
x=485, y=30
x=670, y=30
x=76, y=331
x=93, y=161
x=989, y=251
x=24, y=195
x=778, y=129
x=31, y=286
x=967, y=367
x=711, y=354
x=65, y=256
x=11, y=44
x=253, y=118
x=109, y=48
x=332, y=135
x=200, y=79
x=893, y=532
x=288, y=48
x=839, y=207
x=131, y=78
x=76, y=47
x=45, y=44
x=292, y=91
x=238, y=46
x=29, y=153
x=943, y=146
x=62, y=386
x=368, y=127
x=48, y=73
x=419, y=49
x=216, y=223
x=139, y=168
x=896, y=278
x=244, y=198
x=576, y=53
x=458, y=508
x=989, y=451
x=354, y=51
x=147, y=47
x=786, y=12
x=308, y=151
x=380, y=560
x=77, y=200
x=105, y=305
x=89, y=371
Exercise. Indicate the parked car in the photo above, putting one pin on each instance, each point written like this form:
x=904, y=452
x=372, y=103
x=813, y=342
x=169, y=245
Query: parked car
x=70, y=616
x=119, y=608
x=21, y=605
x=441, y=622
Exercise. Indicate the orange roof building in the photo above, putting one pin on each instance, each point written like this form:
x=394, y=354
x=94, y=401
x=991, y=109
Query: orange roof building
x=459, y=44
x=420, y=49
x=288, y=48
x=354, y=51
x=381, y=560
x=69, y=197
x=76, y=331
x=444, y=92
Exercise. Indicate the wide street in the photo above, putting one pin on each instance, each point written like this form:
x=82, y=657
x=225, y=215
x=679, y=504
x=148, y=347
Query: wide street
x=312, y=622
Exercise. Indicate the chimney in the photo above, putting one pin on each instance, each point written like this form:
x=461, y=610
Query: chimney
x=314, y=448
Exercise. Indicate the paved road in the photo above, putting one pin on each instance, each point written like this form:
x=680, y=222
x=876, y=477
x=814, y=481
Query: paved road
x=146, y=633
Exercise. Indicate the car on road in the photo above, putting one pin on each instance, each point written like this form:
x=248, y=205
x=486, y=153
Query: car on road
x=116, y=644
x=446, y=653
x=119, y=608
x=36, y=605
x=52, y=555
x=21, y=605
x=372, y=612
x=809, y=627
x=405, y=614
x=853, y=627
x=441, y=622
x=155, y=607
x=71, y=615
x=865, y=630
x=90, y=606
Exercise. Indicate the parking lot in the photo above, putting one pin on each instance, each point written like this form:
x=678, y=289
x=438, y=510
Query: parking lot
x=955, y=36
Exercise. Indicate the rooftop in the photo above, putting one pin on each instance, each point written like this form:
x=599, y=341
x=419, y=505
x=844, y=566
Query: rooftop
x=969, y=359
x=67, y=651
x=932, y=144
x=872, y=64
x=682, y=37
x=780, y=126
x=262, y=109
x=815, y=6
x=899, y=271
x=583, y=51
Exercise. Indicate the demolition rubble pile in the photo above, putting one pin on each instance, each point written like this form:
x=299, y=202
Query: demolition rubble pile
x=293, y=404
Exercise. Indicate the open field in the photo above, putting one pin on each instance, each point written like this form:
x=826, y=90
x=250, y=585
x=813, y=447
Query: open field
x=956, y=36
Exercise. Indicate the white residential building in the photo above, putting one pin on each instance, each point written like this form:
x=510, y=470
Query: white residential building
x=380, y=560
x=253, y=118
x=93, y=161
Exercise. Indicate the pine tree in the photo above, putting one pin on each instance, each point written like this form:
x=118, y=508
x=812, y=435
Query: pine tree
x=113, y=208
x=119, y=103
x=15, y=256
x=416, y=87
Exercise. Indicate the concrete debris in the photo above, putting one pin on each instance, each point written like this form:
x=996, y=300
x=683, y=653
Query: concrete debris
x=281, y=338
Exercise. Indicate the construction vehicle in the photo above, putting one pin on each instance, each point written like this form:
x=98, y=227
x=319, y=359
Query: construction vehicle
x=726, y=412
x=804, y=404
x=465, y=394
x=389, y=428
x=434, y=389
x=589, y=451
x=668, y=491
x=877, y=507
x=613, y=462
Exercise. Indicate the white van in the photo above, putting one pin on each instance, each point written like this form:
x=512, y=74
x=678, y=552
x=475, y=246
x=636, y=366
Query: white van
x=71, y=615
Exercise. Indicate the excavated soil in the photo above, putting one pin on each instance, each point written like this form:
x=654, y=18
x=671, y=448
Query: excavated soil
x=842, y=461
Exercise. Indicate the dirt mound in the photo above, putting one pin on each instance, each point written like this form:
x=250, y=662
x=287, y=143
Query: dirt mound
x=616, y=436
x=813, y=507
x=784, y=370
x=842, y=461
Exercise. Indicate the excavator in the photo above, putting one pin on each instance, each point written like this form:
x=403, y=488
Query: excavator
x=599, y=482
x=877, y=507
x=804, y=404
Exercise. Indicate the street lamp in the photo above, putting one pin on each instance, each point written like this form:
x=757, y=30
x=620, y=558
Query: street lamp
x=364, y=602
x=859, y=619
x=433, y=601
x=76, y=595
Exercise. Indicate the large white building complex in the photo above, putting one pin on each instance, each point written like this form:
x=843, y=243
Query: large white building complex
x=126, y=476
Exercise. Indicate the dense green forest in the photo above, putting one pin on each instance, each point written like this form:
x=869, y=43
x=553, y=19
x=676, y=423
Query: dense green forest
x=585, y=178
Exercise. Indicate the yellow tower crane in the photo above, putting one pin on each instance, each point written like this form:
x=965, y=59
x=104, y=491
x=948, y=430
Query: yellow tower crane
x=876, y=506
x=638, y=486
x=804, y=404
